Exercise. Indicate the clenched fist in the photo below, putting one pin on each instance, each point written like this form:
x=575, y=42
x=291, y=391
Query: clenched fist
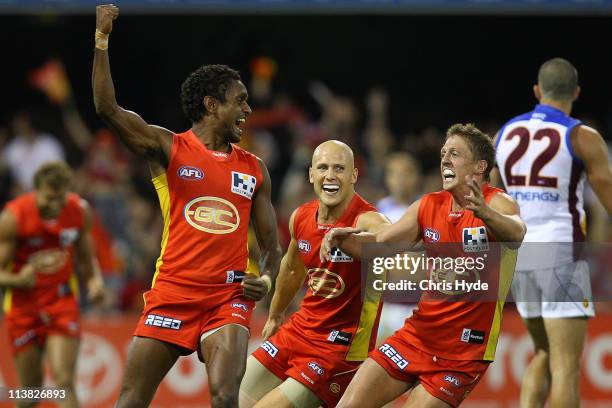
x=105, y=14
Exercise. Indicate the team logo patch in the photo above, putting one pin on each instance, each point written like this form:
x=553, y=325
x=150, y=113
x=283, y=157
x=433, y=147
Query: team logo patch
x=68, y=236
x=270, y=348
x=190, y=173
x=212, y=214
x=304, y=246
x=163, y=322
x=472, y=336
x=394, y=356
x=475, y=239
x=431, y=235
x=243, y=184
x=325, y=283
x=453, y=380
x=336, y=255
x=316, y=368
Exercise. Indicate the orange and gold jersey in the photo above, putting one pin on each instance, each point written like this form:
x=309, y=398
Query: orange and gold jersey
x=455, y=329
x=333, y=301
x=206, y=198
x=45, y=242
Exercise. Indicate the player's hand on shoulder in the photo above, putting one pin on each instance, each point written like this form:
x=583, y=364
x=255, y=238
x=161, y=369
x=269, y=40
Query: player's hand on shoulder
x=26, y=277
x=271, y=327
x=105, y=14
x=255, y=287
x=332, y=239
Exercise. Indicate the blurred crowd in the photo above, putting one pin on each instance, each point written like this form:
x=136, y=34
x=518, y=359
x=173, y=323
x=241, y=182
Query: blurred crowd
x=394, y=169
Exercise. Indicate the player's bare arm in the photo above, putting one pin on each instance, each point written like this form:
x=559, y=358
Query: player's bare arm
x=87, y=261
x=289, y=281
x=151, y=142
x=501, y=215
x=590, y=147
x=264, y=224
x=26, y=277
x=350, y=240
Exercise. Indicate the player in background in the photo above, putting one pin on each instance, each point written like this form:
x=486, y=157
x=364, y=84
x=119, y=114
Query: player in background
x=446, y=346
x=311, y=358
x=544, y=157
x=209, y=191
x=41, y=234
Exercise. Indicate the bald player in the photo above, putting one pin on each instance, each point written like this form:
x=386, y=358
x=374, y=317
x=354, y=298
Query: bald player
x=543, y=157
x=309, y=360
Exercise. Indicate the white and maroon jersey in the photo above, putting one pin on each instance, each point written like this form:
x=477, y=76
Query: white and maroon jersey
x=542, y=173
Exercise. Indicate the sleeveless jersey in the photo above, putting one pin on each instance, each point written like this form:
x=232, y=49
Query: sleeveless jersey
x=50, y=238
x=333, y=300
x=460, y=330
x=206, y=198
x=541, y=172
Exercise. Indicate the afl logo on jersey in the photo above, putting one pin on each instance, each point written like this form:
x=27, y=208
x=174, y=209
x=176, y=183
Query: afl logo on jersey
x=325, y=283
x=190, y=173
x=212, y=214
x=304, y=246
x=431, y=235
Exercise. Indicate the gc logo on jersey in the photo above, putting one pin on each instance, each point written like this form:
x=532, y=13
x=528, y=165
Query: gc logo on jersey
x=475, y=239
x=325, y=283
x=190, y=173
x=243, y=184
x=212, y=214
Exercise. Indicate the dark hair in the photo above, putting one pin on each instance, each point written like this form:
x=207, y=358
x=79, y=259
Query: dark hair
x=558, y=79
x=208, y=80
x=480, y=144
x=55, y=174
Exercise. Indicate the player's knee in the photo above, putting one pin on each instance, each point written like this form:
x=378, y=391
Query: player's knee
x=245, y=400
x=225, y=398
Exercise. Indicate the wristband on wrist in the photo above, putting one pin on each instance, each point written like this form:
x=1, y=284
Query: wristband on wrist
x=101, y=40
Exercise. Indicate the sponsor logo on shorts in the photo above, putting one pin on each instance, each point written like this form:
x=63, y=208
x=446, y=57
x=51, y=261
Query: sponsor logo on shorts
x=394, y=356
x=336, y=255
x=270, y=348
x=190, y=173
x=163, y=322
x=472, y=336
x=325, y=283
x=304, y=246
x=334, y=387
x=340, y=337
x=241, y=306
x=316, y=368
x=475, y=239
x=307, y=378
x=447, y=392
x=431, y=234
x=212, y=214
x=243, y=184
x=453, y=380
x=24, y=339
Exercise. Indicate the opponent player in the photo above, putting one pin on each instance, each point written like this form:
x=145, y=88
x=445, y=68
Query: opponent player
x=207, y=187
x=312, y=358
x=445, y=347
x=41, y=233
x=543, y=157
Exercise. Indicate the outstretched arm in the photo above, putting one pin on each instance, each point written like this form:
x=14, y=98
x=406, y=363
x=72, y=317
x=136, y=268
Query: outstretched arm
x=152, y=142
x=288, y=283
x=264, y=224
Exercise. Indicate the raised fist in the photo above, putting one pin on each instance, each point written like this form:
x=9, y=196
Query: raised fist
x=105, y=14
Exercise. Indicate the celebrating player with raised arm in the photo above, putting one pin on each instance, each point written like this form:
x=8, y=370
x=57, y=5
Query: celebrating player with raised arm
x=446, y=346
x=209, y=190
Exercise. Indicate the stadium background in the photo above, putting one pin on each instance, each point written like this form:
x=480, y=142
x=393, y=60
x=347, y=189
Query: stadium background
x=383, y=79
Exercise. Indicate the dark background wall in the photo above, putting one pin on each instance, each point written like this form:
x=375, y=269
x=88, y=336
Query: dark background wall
x=438, y=70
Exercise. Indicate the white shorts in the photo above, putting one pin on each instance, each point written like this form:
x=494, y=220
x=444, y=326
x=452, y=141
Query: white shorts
x=563, y=291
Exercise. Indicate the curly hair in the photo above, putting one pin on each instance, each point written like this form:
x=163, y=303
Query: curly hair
x=208, y=80
x=480, y=144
